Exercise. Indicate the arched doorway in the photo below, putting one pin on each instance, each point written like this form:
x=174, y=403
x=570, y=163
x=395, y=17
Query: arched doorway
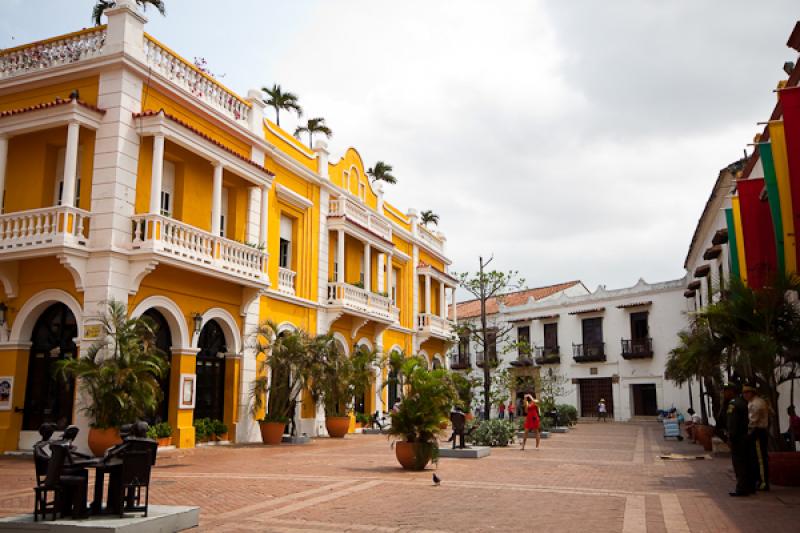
x=210, y=401
x=47, y=398
x=164, y=344
x=437, y=363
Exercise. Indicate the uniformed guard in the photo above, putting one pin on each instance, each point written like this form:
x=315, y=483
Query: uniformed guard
x=736, y=422
x=758, y=435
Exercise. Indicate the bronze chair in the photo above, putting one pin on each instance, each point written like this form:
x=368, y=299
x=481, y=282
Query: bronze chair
x=134, y=479
x=60, y=486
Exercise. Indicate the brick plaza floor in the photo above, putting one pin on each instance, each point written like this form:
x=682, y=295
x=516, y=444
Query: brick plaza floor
x=597, y=478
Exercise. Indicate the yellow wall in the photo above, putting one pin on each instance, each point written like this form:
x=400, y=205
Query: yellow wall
x=32, y=165
x=396, y=216
x=289, y=146
x=279, y=312
x=425, y=257
x=352, y=165
x=87, y=88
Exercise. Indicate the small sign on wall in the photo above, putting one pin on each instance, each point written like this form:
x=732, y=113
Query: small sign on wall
x=91, y=331
x=188, y=389
x=6, y=392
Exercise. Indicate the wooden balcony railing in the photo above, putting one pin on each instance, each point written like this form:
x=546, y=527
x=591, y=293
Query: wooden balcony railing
x=589, y=352
x=637, y=348
x=459, y=362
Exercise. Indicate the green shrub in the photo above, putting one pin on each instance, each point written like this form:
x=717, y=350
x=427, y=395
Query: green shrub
x=547, y=423
x=202, y=428
x=161, y=430
x=362, y=419
x=218, y=428
x=567, y=413
x=493, y=432
x=152, y=433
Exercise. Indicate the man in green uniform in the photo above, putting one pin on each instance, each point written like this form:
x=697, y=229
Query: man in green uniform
x=736, y=421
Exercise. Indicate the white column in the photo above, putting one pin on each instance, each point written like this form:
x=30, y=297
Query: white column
x=380, y=281
x=427, y=293
x=367, y=267
x=264, y=217
x=453, y=303
x=389, y=275
x=340, y=256
x=442, y=301
x=216, y=199
x=155, y=176
x=70, y=164
x=3, y=161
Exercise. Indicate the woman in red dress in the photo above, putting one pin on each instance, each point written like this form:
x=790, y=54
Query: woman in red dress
x=531, y=419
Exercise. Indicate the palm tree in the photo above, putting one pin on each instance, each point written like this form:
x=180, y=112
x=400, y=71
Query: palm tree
x=382, y=172
x=119, y=374
x=314, y=125
x=101, y=5
x=429, y=217
x=281, y=100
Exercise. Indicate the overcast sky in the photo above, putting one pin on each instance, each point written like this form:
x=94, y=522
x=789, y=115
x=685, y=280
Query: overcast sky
x=572, y=140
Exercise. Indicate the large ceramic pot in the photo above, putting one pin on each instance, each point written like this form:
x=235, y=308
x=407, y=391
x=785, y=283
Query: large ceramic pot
x=703, y=435
x=784, y=468
x=164, y=441
x=102, y=439
x=413, y=455
x=337, y=426
x=271, y=432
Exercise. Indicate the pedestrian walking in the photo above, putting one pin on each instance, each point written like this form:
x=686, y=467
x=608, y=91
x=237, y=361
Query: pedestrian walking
x=501, y=410
x=758, y=422
x=602, y=411
x=531, y=419
x=736, y=422
x=511, y=410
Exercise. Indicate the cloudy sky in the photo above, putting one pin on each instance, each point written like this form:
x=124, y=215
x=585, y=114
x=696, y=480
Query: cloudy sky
x=572, y=140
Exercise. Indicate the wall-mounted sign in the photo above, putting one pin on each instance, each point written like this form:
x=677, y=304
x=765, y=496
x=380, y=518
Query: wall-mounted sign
x=6, y=392
x=91, y=331
x=188, y=389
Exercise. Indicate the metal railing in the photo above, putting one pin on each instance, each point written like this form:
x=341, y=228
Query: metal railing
x=637, y=348
x=459, y=361
x=589, y=352
x=546, y=355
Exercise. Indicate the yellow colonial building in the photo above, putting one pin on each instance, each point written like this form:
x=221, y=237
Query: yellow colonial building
x=128, y=173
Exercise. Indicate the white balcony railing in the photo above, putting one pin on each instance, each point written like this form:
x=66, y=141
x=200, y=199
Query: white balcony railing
x=431, y=239
x=50, y=53
x=361, y=215
x=435, y=325
x=48, y=226
x=286, y=280
x=190, y=78
x=172, y=238
x=364, y=301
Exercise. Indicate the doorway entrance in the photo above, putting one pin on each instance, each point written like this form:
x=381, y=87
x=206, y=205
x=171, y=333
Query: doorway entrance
x=592, y=390
x=47, y=397
x=164, y=345
x=644, y=399
x=210, y=401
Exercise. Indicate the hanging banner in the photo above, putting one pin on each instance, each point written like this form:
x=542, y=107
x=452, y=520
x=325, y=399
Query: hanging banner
x=739, y=238
x=773, y=199
x=758, y=234
x=778, y=142
x=790, y=106
x=733, y=249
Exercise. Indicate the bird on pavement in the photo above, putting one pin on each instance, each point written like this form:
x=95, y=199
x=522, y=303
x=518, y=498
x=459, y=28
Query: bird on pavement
x=436, y=480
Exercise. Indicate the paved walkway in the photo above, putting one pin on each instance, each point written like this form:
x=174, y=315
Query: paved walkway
x=599, y=477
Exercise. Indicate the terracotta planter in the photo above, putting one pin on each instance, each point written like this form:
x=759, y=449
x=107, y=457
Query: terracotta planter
x=164, y=441
x=703, y=435
x=784, y=468
x=337, y=426
x=413, y=455
x=224, y=436
x=102, y=439
x=271, y=432
x=469, y=416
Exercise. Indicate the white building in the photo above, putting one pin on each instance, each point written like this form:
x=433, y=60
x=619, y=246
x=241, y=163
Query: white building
x=609, y=344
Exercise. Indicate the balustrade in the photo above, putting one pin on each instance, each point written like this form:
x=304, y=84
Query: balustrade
x=286, y=279
x=62, y=50
x=48, y=226
x=361, y=215
x=358, y=299
x=431, y=239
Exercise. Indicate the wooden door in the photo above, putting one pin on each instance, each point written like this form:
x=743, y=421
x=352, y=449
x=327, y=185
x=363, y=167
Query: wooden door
x=592, y=390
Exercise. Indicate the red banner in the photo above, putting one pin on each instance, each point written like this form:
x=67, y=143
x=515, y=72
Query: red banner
x=790, y=106
x=758, y=233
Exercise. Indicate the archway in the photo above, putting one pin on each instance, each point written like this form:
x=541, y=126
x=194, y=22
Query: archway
x=210, y=399
x=436, y=363
x=164, y=344
x=48, y=398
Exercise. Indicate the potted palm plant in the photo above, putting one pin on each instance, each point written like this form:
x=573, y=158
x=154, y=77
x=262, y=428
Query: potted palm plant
x=337, y=379
x=119, y=375
x=416, y=420
x=285, y=366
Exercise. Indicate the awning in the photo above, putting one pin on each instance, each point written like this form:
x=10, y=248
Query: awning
x=688, y=294
x=634, y=304
x=584, y=311
x=712, y=253
x=720, y=237
x=702, y=271
x=693, y=286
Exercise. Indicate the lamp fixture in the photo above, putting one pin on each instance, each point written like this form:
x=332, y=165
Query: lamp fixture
x=197, y=320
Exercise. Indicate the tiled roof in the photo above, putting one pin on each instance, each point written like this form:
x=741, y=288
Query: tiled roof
x=152, y=113
x=47, y=105
x=472, y=308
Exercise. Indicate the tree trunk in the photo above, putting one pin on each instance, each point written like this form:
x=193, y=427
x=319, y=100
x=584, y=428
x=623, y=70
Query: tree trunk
x=277, y=117
x=703, y=410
